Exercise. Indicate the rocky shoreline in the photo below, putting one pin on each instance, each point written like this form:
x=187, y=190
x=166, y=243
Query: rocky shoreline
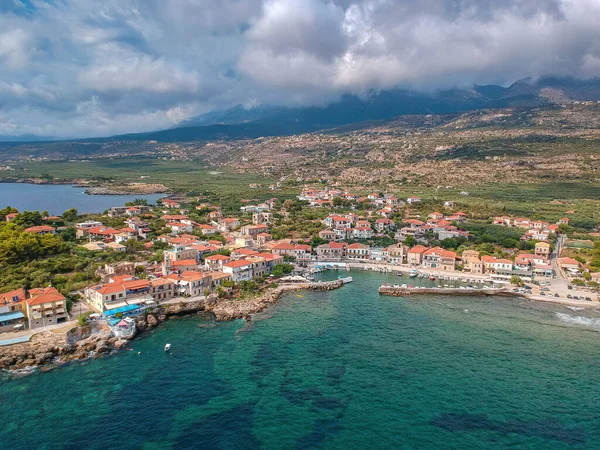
x=119, y=189
x=47, y=350
x=128, y=189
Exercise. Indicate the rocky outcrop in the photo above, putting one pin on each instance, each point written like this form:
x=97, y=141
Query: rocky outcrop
x=243, y=309
x=47, y=350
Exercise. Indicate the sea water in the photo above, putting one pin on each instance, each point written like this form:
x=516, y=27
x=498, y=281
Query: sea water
x=56, y=199
x=344, y=369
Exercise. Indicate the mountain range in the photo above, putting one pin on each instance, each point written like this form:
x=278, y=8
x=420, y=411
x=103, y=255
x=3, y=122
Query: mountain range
x=264, y=120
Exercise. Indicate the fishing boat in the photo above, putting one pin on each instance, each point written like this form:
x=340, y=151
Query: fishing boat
x=413, y=274
x=167, y=347
x=399, y=273
x=432, y=278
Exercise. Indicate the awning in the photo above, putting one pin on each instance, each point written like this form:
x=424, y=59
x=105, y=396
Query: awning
x=124, y=309
x=111, y=306
x=11, y=316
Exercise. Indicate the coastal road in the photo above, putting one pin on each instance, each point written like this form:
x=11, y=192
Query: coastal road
x=560, y=283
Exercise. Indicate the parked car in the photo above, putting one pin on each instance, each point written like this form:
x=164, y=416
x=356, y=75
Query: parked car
x=588, y=299
x=569, y=296
x=542, y=293
x=570, y=287
x=556, y=295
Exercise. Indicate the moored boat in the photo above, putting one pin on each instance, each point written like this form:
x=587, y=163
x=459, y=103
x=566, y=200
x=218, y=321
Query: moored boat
x=167, y=347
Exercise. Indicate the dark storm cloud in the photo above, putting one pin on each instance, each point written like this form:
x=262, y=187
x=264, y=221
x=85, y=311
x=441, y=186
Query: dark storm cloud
x=87, y=68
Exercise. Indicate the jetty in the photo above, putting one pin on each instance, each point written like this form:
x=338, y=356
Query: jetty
x=400, y=291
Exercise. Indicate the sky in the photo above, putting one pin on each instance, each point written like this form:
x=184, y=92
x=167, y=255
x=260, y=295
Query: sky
x=85, y=68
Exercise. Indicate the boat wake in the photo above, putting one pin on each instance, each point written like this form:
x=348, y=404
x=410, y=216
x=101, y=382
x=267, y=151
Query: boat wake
x=587, y=322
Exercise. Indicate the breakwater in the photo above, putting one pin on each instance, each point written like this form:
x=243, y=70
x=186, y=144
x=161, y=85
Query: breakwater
x=404, y=292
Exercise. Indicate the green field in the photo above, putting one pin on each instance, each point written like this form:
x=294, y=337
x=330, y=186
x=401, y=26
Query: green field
x=548, y=201
x=186, y=177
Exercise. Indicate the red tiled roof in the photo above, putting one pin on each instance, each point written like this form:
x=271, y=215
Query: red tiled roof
x=357, y=245
x=217, y=258
x=238, y=263
x=283, y=246
x=183, y=263
x=8, y=296
x=44, y=295
x=245, y=251
x=39, y=229
x=135, y=284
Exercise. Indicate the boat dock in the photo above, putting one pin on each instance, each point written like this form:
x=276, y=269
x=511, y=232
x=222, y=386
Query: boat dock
x=399, y=291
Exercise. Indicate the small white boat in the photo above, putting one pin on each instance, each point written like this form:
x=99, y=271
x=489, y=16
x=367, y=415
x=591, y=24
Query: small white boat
x=167, y=347
x=346, y=280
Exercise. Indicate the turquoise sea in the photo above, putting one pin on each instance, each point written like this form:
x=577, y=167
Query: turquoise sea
x=344, y=369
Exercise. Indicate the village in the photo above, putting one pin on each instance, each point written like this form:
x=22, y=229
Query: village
x=187, y=249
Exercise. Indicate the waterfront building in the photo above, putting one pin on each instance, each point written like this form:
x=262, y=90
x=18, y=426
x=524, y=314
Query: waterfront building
x=45, y=307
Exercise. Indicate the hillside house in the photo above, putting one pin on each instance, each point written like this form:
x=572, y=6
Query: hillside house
x=396, y=253
x=439, y=258
x=542, y=249
x=333, y=251
x=46, y=306
x=40, y=229
x=358, y=252
x=414, y=255
x=240, y=270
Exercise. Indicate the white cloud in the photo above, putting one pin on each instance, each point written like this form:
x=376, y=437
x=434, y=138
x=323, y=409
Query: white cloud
x=14, y=48
x=83, y=68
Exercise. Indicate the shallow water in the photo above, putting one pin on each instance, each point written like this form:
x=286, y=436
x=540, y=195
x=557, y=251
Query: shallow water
x=340, y=369
x=56, y=199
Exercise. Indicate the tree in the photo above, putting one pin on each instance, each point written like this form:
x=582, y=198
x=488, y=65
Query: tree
x=133, y=246
x=516, y=280
x=509, y=243
x=70, y=215
x=138, y=202
x=316, y=241
x=70, y=234
x=8, y=210
x=82, y=319
x=586, y=276
x=28, y=219
x=409, y=241
x=281, y=270
x=526, y=245
x=140, y=272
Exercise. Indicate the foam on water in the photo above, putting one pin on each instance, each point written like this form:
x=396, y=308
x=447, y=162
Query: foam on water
x=587, y=322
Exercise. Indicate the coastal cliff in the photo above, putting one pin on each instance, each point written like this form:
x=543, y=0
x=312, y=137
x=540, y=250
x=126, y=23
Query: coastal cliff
x=48, y=350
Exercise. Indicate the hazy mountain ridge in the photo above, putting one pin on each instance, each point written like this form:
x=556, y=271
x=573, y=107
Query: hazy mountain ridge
x=241, y=123
x=263, y=120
